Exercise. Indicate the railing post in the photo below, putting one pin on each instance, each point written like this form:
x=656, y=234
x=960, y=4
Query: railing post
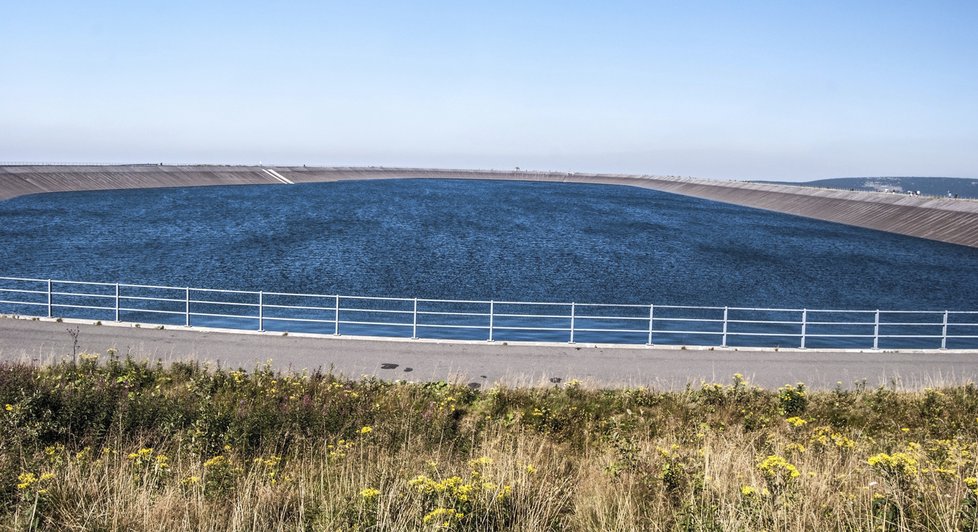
x=724, y=343
x=876, y=330
x=336, y=317
x=573, y=312
x=492, y=312
x=804, y=326
x=117, y=302
x=414, y=326
x=261, y=311
x=49, y=298
x=651, y=314
x=944, y=332
x=187, y=300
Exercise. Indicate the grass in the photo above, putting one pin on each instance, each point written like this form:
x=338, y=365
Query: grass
x=119, y=444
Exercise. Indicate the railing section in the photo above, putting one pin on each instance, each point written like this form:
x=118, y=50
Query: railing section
x=493, y=321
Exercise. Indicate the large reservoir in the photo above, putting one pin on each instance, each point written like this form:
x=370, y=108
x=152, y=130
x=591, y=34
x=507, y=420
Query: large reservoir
x=481, y=240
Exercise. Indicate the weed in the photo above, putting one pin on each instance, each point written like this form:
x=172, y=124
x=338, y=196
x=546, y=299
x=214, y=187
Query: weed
x=116, y=443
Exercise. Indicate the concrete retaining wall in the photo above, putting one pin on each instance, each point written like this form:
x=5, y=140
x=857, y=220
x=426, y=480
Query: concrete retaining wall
x=944, y=219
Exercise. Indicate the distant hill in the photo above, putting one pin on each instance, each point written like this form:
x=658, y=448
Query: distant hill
x=928, y=186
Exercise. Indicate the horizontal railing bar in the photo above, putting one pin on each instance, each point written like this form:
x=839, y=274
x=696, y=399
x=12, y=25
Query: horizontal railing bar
x=91, y=307
x=772, y=322
x=840, y=323
x=211, y=315
x=639, y=331
x=141, y=298
x=27, y=279
x=152, y=311
x=221, y=290
x=152, y=287
x=939, y=312
x=888, y=324
x=810, y=335
x=789, y=335
x=442, y=326
x=24, y=303
x=697, y=320
x=688, y=307
x=73, y=294
x=922, y=336
x=290, y=294
x=308, y=320
x=463, y=301
x=609, y=305
x=344, y=322
x=380, y=311
x=56, y=281
x=752, y=309
x=634, y=318
x=838, y=311
x=541, y=316
x=500, y=328
x=233, y=304
x=539, y=304
x=711, y=333
x=21, y=291
x=376, y=298
x=434, y=313
x=299, y=307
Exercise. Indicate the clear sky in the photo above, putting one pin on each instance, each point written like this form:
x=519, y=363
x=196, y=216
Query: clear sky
x=746, y=90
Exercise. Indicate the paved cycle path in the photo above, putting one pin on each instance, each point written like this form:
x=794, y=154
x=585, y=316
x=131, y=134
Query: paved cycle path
x=485, y=364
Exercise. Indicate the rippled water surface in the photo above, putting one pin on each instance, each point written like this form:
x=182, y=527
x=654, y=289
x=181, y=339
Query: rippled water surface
x=478, y=240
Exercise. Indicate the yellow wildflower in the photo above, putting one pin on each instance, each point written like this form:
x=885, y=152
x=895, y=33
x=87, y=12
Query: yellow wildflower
x=795, y=447
x=369, y=493
x=778, y=472
x=447, y=515
x=895, y=465
x=972, y=484
x=796, y=421
x=216, y=461
x=141, y=456
x=26, y=480
x=479, y=462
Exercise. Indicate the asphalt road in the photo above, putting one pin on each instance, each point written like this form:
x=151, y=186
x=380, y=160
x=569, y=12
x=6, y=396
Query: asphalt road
x=485, y=364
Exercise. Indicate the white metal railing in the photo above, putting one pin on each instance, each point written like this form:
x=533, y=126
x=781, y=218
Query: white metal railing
x=489, y=320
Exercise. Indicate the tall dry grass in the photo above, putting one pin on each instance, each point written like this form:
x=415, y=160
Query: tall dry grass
x=126, y=445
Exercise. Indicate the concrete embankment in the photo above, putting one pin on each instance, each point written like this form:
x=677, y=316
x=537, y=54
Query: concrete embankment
x=943, y=219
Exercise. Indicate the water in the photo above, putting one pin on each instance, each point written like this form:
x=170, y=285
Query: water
x=481, y=240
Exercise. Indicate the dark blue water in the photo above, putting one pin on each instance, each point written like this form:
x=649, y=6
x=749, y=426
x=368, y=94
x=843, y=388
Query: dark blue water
x=481, y=240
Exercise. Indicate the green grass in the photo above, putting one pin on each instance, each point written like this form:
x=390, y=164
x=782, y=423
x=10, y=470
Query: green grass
x=121, y=444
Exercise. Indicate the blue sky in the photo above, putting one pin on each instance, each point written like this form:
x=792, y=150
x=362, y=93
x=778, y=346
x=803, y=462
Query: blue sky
x=744, y=90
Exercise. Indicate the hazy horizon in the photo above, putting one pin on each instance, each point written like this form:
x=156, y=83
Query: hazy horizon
x=754, y=90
